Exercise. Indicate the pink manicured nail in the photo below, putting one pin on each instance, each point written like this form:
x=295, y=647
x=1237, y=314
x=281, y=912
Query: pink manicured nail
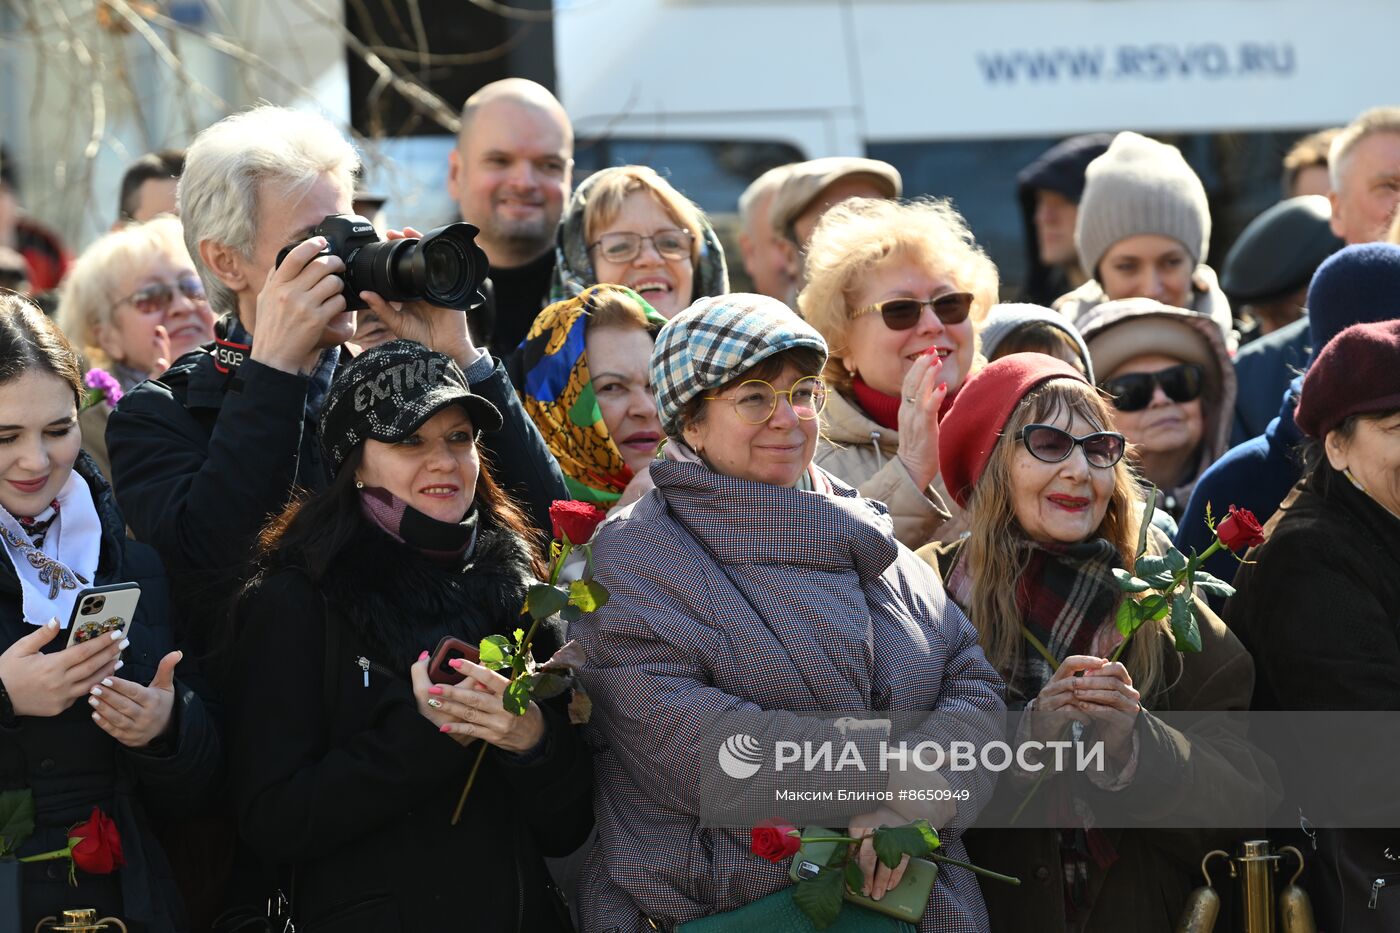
x=455, y=664
x=435, y=690
x=445, y=728
x=423, y=656
x=942, y=386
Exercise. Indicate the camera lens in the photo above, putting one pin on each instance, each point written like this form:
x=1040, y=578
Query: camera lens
x=445, y=268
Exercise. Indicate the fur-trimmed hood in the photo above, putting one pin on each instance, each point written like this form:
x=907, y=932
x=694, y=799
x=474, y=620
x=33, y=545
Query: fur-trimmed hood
x=400, y=602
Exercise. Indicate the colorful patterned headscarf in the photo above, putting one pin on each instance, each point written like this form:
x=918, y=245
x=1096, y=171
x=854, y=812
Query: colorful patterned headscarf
x=573, y=267
x=558, y=393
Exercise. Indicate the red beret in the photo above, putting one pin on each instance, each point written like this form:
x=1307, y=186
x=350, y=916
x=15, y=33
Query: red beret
x=1357, y=373
x=969, y=431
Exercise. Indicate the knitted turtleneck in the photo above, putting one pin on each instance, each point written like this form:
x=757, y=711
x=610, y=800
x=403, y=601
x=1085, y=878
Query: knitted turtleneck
x=883, y=409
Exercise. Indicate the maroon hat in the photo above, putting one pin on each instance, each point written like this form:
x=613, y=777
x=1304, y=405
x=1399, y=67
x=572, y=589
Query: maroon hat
x=969, y=431
x=1357, y=373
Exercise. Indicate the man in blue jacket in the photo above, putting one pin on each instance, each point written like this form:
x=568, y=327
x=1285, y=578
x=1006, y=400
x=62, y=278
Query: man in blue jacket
x=1358, y=284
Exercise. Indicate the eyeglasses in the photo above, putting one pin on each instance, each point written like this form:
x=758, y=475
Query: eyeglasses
x=625, y=247
x=1049, y=444
x=1134, y=391
x=158, y=296
x=756, y=400
x=904, y=313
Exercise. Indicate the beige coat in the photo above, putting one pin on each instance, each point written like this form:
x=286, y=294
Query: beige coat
x=856, y=450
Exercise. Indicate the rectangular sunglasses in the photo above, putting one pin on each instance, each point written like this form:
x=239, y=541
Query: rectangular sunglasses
x=904, y=313
x=1133, y=391
x=1050, y=444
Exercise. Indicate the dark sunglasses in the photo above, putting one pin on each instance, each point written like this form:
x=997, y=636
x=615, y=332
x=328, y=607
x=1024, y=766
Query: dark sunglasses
x=1048, y=443
x=1133, y=391
x=904, y=313
x=158, y=296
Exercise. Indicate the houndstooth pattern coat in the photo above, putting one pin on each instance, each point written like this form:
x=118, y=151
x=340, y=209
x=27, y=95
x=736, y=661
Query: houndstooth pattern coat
x=730, y=596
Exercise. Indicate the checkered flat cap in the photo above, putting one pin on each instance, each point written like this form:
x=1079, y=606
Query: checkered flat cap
x=717, y=339
x=386, y=393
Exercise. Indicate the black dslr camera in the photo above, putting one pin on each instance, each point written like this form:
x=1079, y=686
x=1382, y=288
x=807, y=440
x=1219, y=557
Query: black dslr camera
x=444, y=268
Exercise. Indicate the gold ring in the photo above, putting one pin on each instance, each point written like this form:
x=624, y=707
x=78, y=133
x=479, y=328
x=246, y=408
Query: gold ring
x=434, y=702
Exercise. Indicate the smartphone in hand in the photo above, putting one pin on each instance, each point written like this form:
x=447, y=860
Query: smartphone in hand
x=450, y=649
x=102, y=609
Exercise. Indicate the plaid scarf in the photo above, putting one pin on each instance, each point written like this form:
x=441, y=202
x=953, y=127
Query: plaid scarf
x=1064, y=595
x=558, y=396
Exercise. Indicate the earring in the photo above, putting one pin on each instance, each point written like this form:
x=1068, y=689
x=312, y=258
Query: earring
x=1354, y=481
x=359, y=485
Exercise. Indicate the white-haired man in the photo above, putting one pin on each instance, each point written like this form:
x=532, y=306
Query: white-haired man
x=206, y=454
x=510, y=174
x=1364, y=165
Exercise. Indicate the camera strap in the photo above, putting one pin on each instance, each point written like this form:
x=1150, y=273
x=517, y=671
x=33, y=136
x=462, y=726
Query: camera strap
x=232, y=344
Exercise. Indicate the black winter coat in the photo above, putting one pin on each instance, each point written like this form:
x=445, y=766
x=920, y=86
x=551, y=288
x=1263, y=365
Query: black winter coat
x=71, y=765
x=203, y=459
x=1319, y=608
x=351, y=789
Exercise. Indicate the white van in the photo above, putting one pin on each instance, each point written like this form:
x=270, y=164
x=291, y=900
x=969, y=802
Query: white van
x=961, y=94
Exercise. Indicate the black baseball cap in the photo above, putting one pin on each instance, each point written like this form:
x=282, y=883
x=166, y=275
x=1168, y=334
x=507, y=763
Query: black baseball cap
x=386, y=393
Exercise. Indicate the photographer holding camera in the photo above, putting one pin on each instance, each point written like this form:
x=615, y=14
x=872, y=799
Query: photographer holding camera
x=207, y=454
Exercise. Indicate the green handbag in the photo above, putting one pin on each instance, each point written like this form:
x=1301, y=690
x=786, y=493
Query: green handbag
x=778, y=913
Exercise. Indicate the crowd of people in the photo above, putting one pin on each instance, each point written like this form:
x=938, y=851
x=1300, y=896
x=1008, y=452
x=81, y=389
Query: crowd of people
x=868, y=484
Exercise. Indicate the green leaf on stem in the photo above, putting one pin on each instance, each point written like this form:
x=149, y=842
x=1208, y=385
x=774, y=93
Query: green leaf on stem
x=571, y=613
x=1184, y=629
x=820, y=897
x=544, y=600
x=1129, y=583
x=1212, y=584
x=1148, y=565
x=516, y=699
x=587, y=595
x=916, y=840
x=855, y=878
x=1128, y=617
x=1155, y=608
x=519, y=635
x=16, y=819
x=495, y=652
x=1176, y=561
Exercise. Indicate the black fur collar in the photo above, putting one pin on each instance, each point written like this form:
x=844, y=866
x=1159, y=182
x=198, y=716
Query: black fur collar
x=399, y=602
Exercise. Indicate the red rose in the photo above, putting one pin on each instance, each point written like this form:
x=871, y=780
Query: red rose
x=1239, y=530
x=574, y=521
x=772, y=840
x=99, y=851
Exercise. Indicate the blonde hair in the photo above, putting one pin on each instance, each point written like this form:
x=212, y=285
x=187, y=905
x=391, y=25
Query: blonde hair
x=90, y=290
x=1375, y=120
x=1309, y=152
x=996, y=559
x=858, y=235
x=613, y=307
x=607, y=194
x=229, y=161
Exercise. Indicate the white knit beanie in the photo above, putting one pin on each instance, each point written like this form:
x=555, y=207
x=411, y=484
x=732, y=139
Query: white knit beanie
x=1140, y=186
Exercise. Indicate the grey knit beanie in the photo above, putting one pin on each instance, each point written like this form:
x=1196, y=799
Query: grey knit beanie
x=1140, y=186
x=1005, y=319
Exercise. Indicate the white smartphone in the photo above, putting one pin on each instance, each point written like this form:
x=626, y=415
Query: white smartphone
x=103, y=609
